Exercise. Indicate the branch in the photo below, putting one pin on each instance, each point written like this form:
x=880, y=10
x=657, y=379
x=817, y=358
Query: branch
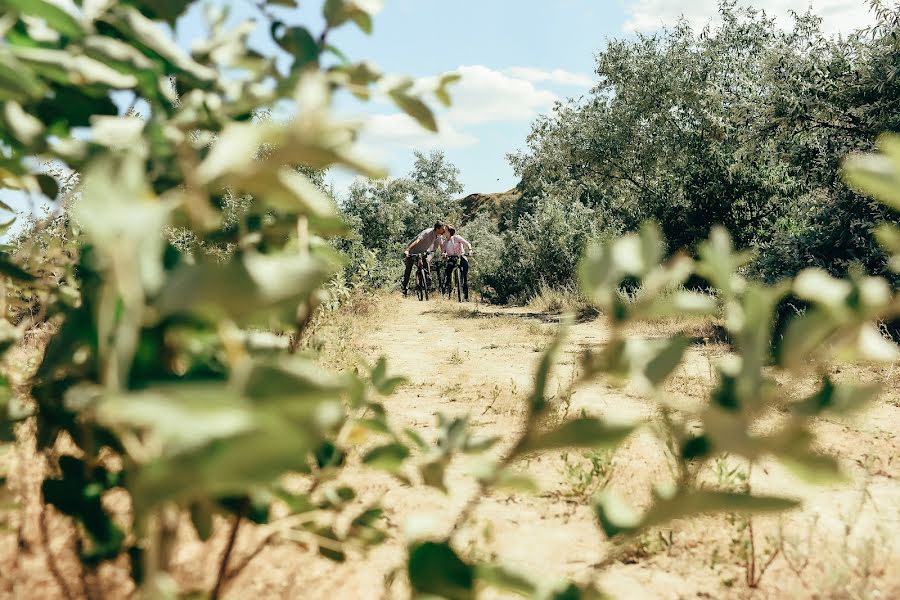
x=229, y=546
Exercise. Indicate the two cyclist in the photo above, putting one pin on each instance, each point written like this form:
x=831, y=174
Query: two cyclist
x=432, y=240
x=429, y=240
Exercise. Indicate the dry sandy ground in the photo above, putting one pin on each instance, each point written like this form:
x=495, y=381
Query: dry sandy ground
x=842, y=544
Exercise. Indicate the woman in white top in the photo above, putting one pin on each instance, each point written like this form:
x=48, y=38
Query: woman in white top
x=456, y=249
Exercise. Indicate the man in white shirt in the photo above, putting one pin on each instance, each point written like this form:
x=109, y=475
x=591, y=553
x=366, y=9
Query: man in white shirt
x=456, y=248
x=429, y=240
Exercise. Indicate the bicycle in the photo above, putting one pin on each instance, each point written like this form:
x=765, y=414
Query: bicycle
x=455, y=277
x=422, y=278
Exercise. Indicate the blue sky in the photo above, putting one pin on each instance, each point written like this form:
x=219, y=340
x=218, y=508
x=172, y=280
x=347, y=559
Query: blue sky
x=517, y=57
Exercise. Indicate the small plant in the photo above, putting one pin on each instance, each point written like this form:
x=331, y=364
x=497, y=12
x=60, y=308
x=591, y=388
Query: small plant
x=456, y=357
x=586, y=473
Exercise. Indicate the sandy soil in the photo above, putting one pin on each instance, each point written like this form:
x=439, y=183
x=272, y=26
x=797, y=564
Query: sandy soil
x=842, y=544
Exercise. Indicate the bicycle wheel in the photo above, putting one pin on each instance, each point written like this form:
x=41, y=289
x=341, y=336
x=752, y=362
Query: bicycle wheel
x=457, y=283
x=420, y=284
x=426, y=283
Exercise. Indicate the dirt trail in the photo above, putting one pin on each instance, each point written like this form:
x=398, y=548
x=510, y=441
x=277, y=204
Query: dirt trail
x=479, y=362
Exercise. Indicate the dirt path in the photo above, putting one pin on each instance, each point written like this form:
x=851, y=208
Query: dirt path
x=479, y=362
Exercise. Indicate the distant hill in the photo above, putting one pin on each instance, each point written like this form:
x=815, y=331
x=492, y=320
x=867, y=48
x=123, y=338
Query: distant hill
x=492, y=205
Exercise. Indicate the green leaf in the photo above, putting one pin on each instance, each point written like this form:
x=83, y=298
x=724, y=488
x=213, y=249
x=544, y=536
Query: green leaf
x=888, y=237
x=877, y=174
x=719, y=263
x=179, y=417
x=537, y=402
x=296, y=503
x=666, y=360
x=433, y=473
x=48, y=185
x=226, y=467
x=119, y=54
x=164, y=10
x=416, y=439
x=5, y=226
x=201, y=517
x=365, y=527
x=338, y=12
x=255, y=283
x=815, y=469
x=435, y=569
x=25, y=127
x=617, y=518
x=146, y=32
x=299, y=43
x=503, y=579
x=444, y=82
x=415, y=108
x=68, y=69
x=584, y=432
x=837, y=398
x=13, y=271
x=388, y=458
x=56, y=17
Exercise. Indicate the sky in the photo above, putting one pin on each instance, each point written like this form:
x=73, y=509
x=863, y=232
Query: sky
x=516, y=57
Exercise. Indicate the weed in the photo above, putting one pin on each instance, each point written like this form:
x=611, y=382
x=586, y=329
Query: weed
x=649, y=543
x=455, y=358
x=494, y=394
x=586, y=473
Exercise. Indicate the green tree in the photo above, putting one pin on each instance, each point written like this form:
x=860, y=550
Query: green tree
x=743, y=124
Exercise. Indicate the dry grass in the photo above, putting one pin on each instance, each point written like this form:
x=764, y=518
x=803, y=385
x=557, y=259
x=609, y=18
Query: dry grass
x=842, y=544
x=564, y=300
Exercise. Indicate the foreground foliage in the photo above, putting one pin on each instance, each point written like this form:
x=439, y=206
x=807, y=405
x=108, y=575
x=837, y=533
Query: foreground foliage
x=150, y=372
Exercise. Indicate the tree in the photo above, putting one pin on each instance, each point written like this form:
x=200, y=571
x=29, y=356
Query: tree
x=743, y=124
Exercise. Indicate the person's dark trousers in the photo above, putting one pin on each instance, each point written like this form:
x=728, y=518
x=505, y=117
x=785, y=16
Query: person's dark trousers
x=463, y=273
x=410, y=264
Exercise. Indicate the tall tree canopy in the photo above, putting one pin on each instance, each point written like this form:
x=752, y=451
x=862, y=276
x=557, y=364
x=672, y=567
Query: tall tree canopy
x=742, y=124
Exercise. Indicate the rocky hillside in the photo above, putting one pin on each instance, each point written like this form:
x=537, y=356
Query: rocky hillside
x=492, y=205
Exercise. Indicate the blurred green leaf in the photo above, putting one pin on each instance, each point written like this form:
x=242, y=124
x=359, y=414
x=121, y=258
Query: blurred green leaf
x=56, y=17
x=25, y=127
x=415, y=108
x=253, y=284
x=201, y=518
x=444, y=82
x=877, y=174
x=388, y=458
x=435, y=569
x=164, y=10
x=12, y=270
x=837, y=398
x=501, y=578
x=666, y=360
x=338, y=12
x=616, y=518
x=537, y=402
x=585, y=432
x=146, y=32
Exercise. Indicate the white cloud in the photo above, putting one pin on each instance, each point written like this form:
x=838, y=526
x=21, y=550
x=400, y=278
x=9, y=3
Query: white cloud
x=838, y=15
x=400, y=130
x=557, y=76
x=485, y=95
x=482, y=96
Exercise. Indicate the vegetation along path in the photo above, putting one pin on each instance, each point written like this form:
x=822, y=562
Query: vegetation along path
x=478, y=362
